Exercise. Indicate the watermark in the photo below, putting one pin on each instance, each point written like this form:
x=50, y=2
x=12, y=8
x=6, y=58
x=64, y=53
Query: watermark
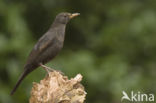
x=137, y=97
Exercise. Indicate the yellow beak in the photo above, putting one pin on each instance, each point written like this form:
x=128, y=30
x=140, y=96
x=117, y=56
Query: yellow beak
x=74, y=15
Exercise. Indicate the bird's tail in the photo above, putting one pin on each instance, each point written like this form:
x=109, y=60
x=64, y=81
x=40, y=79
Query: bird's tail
x=24, y=74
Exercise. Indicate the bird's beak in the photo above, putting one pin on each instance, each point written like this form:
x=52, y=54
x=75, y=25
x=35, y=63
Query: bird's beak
x=74, y=15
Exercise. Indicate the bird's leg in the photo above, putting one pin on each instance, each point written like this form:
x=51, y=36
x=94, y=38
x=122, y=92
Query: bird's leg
x=48, y=69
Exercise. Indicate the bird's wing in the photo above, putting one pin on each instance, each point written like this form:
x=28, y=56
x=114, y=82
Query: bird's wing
x=39, y=47
x=42, y=43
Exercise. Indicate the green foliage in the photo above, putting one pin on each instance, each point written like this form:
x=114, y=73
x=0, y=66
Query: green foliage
x=112, y=44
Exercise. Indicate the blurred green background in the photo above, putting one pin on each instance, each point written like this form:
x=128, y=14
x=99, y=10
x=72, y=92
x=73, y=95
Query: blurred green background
x=112, y=44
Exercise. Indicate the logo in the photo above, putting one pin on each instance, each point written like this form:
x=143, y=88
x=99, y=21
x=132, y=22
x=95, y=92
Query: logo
x=137, y=97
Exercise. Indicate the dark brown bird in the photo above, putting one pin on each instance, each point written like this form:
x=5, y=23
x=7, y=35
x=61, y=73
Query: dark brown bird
x=47, y=47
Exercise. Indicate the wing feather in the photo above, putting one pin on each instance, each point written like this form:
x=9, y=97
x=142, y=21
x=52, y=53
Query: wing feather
x=40, y=47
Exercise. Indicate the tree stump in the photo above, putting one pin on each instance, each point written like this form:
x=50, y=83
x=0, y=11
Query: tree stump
x=57, y=88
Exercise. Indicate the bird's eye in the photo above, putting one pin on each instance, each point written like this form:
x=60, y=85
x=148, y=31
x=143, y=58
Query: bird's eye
x=65, y=16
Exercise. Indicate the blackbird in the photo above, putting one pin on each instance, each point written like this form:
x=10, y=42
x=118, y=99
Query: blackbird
x=47, y=47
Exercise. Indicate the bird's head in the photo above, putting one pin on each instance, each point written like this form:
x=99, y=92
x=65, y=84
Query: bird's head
x=63, y=18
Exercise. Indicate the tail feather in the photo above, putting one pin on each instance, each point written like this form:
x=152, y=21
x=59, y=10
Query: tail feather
x=24, y=74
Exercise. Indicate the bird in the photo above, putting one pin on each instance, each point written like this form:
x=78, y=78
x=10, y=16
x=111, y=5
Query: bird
x=47, y=47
